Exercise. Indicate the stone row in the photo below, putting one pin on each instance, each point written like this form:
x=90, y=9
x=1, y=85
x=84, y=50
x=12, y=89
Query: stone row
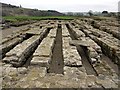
x=77, y=32
x=109, y=45
x=108, y=48
x=70, y=54
x=43, y=53
x=29, y=46
x=17, y=51
x=34, y=31
x=99, y=67
x=22, y=31
x=93, y=50
x=10, y=37
x=7, y=46
x=113, y=23
x=109, y=29
x=65, y=33
x=101, y=34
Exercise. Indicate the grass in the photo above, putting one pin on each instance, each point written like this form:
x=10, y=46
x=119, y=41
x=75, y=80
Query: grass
x=22, y=18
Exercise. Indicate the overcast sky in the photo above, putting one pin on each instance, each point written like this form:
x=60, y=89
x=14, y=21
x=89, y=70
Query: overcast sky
x=67, y=5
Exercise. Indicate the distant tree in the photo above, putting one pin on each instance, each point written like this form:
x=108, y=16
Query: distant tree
x=90, y=13
x=105, y=12
x=9, y=4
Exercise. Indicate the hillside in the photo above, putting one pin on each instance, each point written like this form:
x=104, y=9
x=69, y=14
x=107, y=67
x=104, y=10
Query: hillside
x=11, y=10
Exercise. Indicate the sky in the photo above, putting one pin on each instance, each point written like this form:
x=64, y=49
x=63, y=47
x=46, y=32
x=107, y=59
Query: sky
x=67, y=5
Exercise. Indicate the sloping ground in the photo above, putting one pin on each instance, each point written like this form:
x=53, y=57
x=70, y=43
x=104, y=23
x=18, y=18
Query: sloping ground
x=11, y=10
x=60, y=54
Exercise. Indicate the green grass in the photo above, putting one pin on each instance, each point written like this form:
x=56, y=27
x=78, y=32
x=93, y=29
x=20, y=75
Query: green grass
x=22, y=18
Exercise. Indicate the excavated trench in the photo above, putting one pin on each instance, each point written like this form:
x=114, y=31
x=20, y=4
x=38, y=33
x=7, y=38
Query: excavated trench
x=82, y=52
x=57, y=63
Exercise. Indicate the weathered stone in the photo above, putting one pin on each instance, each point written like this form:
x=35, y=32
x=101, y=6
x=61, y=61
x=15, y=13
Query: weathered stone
x=41, y=61
x=108, y=48
x=90, y=81
x=19, y=49
x=10, y=71
x=22, y=70
x=7, y=65
x=76, y=32
x=52, y=33
x=107, y=83
x=65, y=32
x=34, y=31
x=4, y=48
x=45, y=47
x=92, y=53
x=7, y=78
x=87, y=33
x=78, y=42
x=108, y=43
x=36, y=72
x=38, y=84
x=93, y=50
x=43, y=53
x=10, y=58
x=71, y=56
x=74, y=75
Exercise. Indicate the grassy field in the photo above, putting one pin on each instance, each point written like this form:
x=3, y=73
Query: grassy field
x=22, y=18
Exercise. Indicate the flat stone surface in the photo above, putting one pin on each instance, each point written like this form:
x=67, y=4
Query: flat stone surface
x=78, y=42
x=36, y=30
x=42, y=54
x=45, y=47
x=92, y=44
x=41, y=61
x=52, y=33
x=70, y=54
x=18, y=49
x=78, y=33
x=65, y=32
